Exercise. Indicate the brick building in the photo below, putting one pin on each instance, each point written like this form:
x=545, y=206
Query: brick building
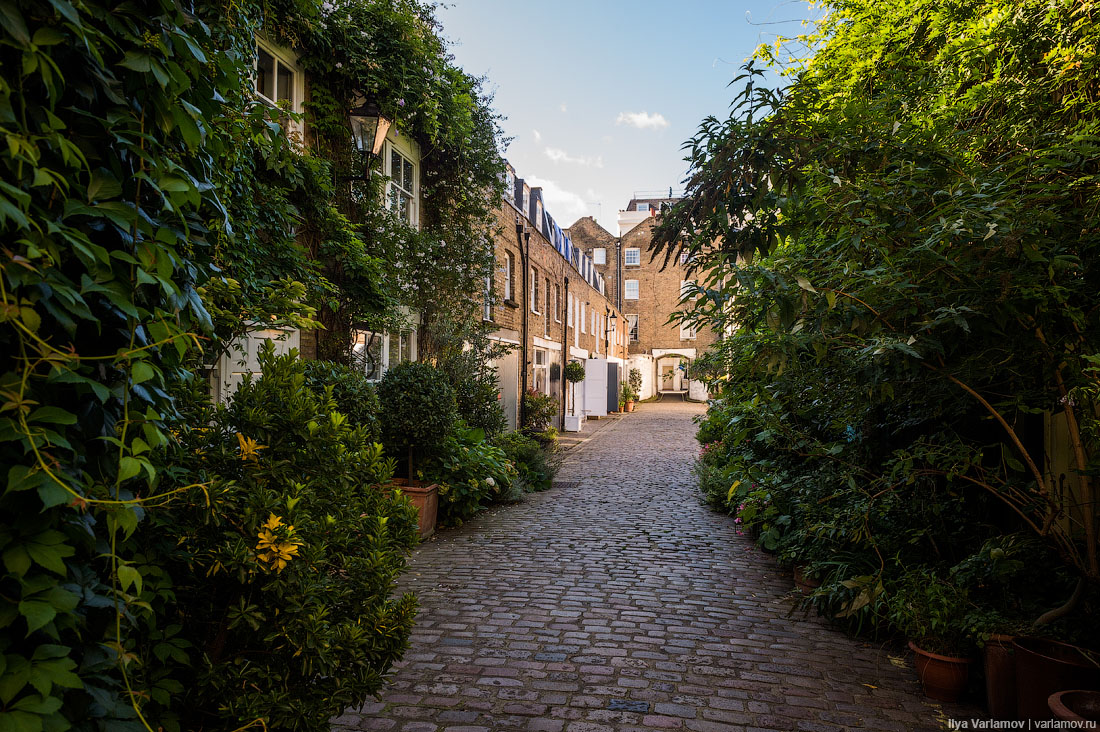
x=550, y=302
x=647, y=295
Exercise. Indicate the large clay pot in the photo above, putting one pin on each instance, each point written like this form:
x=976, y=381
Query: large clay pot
x=426, y=499
x=1045, y=667
x=943, y=677
x=630, y=406
x=1077, y=705
x=1000, y=677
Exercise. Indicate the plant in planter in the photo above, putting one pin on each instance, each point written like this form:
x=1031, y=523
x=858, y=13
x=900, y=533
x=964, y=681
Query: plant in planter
x=538, y=411
x=418, y=408
x=628, y=397
x=635, y=381
x=574, y=374
x=932, y=613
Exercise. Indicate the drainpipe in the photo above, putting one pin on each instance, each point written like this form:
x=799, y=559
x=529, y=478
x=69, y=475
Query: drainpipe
x=564, y=352
x=523, y=237
x=619, y=273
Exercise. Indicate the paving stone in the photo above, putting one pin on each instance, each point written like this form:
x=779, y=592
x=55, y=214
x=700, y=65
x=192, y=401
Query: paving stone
x=616, y=601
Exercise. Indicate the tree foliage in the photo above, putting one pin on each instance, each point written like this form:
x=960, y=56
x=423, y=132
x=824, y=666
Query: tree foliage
x=903, y=246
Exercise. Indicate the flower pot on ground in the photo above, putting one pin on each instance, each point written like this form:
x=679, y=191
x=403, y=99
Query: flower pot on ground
x=425, y=497
x=943, y=677
x=629, y=405
x=1000, y=677
x=932, y=612
x=1045, y=667
x=1076, y=705
x=420, y=410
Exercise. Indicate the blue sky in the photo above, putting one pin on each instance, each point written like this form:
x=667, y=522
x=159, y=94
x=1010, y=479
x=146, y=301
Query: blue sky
x=598, y=96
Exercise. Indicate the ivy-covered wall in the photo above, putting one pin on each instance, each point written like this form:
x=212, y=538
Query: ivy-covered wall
x=150, y=211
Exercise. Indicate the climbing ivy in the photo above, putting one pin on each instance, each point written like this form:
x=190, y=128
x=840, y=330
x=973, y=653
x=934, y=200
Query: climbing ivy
x=151, y=210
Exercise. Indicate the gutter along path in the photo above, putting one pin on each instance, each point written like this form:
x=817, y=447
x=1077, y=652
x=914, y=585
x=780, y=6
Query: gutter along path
x=617, y=601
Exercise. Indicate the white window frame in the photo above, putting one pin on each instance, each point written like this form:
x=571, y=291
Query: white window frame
x=584, y=312
x=384, y=357
x=509, y=267
x=543, y=355
x=409, y=150
x=599, y=255
x=627, y=289
x=684, y=285
x=487, y=312
x=633, y=334
x=642, y=208
x=569, y=315
x=534, y=290
x=286, y=58
x=687, y=332
x=557, y=302
x=632, y=257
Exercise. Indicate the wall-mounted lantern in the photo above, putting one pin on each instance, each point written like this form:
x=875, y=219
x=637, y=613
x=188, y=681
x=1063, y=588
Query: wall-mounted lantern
x=368, y=130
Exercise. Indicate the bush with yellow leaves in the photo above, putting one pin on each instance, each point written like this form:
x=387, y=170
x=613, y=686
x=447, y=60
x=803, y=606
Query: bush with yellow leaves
x=284, y=583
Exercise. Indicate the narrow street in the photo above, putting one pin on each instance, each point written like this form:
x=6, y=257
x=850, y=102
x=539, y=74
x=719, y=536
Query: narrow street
x=617, y=601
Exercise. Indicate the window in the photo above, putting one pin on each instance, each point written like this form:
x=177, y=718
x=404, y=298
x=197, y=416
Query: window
x=526, y=200
x=599, y=256
x=632, y=321
x=684, y=257
x=557, y=303
x=630, y=289
x=278, y=78
x=510, y=184
x=643, y=207
x=686, y=287
x=687, y=332
x=584, y=312
x=401, y=187
x=632, y=256
x=542, y=371
x=546, y=320
x=538, y=214
x=509, y=269
x=570, y=314
x=487, y=312
x=375, y=353
x=534, y=290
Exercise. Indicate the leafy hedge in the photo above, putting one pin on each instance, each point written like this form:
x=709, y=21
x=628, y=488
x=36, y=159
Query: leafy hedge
x=902, y=247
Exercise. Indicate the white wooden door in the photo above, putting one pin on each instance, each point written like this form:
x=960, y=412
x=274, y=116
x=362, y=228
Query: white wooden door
x=595, y=387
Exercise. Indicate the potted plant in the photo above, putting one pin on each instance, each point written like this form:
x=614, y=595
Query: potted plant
x=1045, y=667
x=418, y=408
x=932, y=613
x=635, y=381
x=628, y=397
x=574, y=373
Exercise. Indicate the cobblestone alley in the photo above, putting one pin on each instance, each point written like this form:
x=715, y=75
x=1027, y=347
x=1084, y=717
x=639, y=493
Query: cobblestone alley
x=617, y=601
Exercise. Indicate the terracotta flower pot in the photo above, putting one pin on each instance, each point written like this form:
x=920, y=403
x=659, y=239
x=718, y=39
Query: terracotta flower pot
x=1000, y=677
x=806, y=585
x=1077, y=705
x=630, y=406
x=943, y=677
x=426, y=499
x=1045, y=667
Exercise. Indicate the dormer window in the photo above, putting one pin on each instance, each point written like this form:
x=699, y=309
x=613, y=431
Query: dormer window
x=643, y=208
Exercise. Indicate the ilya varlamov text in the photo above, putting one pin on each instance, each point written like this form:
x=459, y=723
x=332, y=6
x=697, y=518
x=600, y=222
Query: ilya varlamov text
x=1018, y=724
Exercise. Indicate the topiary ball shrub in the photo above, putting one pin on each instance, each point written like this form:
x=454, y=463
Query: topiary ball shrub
x=418, y=411
x=284, y=564
x=356, y=397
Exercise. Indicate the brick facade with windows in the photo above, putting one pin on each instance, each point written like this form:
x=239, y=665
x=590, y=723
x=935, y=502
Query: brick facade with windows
x=567, y=318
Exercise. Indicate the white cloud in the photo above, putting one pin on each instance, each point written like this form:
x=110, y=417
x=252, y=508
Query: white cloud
x=558, y=155
x=538, y=136
x=565, y=206
x=642, y=120
x=563, y=108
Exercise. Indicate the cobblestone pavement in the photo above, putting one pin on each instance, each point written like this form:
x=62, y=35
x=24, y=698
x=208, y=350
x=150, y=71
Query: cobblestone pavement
x=617, y=601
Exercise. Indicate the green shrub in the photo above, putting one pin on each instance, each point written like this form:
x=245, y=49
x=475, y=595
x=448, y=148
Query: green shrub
x=471, y=473
x=356, y=397
x=419, y=408
x=574, y=372
x=635, y=381
x=538, y=411
x=536, y=464
x=284, y=579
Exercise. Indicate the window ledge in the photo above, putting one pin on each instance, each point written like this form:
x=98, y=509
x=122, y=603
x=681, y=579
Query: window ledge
x=511, y=303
